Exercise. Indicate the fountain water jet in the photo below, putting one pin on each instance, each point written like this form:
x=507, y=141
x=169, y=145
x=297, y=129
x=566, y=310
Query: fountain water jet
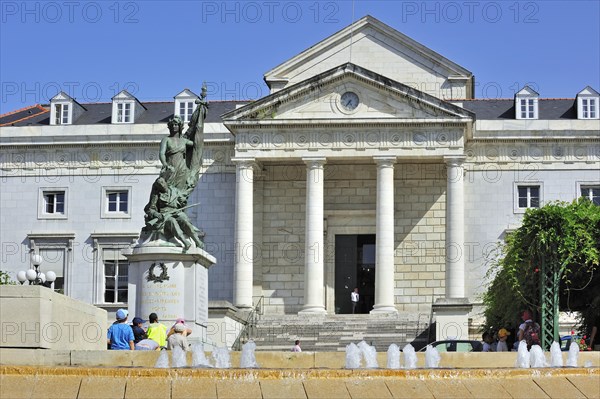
x=573, y=354
x=410, y=357
x=523, y=357
x=163, y=360
x=432, y=357
x=556, y=359
x=393, y=357
x=179, y=357
x=198, y=357
x=537, y=357
x=222, y=358
x=353, y=358
x=248, y=358
x=369, y=354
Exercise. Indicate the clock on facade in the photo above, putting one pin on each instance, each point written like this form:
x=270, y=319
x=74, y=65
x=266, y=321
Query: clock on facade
x=349, y=101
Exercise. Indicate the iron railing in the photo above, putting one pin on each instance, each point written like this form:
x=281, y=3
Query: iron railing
x=249, y=323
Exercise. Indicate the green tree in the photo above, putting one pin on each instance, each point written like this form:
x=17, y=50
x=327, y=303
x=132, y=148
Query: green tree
x=5, y=279
x=563, y=234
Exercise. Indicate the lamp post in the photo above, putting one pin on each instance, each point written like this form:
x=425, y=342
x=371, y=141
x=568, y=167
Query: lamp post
x=35, y=276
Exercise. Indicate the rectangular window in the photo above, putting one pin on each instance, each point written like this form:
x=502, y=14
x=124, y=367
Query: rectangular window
x=588, y=108
x=61, y=114
x=124, y=112
x=528, y=197
x=592, y=193
x=527, y=108
x=117, y=201
x=115, y=276
x=54, y=260
x=54, y=202
x=65, y=114
x=186, y=109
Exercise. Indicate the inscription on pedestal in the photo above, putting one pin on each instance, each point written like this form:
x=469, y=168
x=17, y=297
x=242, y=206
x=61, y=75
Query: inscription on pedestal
x=163, y=296
x=202, y=296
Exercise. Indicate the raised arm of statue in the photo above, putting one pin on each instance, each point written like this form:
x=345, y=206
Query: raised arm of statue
x=196, y=133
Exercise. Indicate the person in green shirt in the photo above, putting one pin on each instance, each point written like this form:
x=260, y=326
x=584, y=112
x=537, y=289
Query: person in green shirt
x=157, y=331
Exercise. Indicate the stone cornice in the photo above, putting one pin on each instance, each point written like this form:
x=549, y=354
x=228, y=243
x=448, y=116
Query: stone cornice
x=567, y=151
x=265, y=144
x=239, y=126
x=98, y=144
x=66, y=160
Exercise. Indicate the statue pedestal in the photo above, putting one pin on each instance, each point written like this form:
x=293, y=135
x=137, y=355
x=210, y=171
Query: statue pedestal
x=171, y=283
x=452, y=318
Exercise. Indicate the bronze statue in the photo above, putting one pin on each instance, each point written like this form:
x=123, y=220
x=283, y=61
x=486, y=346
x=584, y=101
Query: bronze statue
x=181, y=157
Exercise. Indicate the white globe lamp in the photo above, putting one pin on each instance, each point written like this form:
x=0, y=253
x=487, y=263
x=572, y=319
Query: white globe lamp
x=22, y=276
x=50, y=276
x=36, y=260
x=31, y=275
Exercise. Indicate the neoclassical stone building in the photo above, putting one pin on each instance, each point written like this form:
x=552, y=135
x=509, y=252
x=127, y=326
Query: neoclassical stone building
x=370, y=164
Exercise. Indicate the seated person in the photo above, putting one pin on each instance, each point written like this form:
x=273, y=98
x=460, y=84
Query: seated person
x=177, y=338
x=186, y=332
x=147, y=345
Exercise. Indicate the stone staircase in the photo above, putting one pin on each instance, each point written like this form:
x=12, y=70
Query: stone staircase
x=333, y=332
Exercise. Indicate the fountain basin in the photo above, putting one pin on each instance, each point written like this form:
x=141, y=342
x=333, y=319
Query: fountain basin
x=85, y=382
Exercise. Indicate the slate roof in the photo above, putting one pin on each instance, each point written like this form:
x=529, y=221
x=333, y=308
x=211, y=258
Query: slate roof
x=23, y=115
x=160, y=112
x=101, y=113
x=549, y=109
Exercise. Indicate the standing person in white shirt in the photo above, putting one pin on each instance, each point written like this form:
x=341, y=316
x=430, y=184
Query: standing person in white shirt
x=354, y=297
x=296, y=347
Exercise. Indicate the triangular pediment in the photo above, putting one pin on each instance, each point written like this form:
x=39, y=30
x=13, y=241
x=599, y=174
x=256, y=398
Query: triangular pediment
x=348, y=94
x=124, y=95
x=377, y=47
x=185, y=94
x=527, y=92
x=588, y=92
x=61, y=97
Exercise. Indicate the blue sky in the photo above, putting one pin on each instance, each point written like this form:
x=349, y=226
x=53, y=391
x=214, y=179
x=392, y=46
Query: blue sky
x=93, y=49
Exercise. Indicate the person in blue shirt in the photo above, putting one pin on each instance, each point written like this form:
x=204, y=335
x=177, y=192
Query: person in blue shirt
x=120, y=334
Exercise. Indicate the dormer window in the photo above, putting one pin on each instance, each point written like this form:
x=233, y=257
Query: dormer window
x=527, y=108
x=526, y=104
x=185, y=104
x=588, y=108
x=64, y=110
x=186, y=109
x=588, y=100
x=124, y=112
x=62, y=114
x=126, y=108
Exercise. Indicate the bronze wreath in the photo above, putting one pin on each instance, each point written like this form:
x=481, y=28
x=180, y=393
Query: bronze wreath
x=163, y=273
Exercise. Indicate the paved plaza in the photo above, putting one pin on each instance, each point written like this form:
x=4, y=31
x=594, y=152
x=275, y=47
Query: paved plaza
x=80, y=383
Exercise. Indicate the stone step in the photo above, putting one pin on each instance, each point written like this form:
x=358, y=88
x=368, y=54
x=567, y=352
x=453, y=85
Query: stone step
x=335, y=332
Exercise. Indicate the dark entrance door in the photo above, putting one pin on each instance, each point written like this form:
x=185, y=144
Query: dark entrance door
x=354, y=267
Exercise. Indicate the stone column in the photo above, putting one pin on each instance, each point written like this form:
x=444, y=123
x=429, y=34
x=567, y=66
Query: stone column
x=244, y=239
x=384, y=250
x=455, y=228
x=314, y=290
